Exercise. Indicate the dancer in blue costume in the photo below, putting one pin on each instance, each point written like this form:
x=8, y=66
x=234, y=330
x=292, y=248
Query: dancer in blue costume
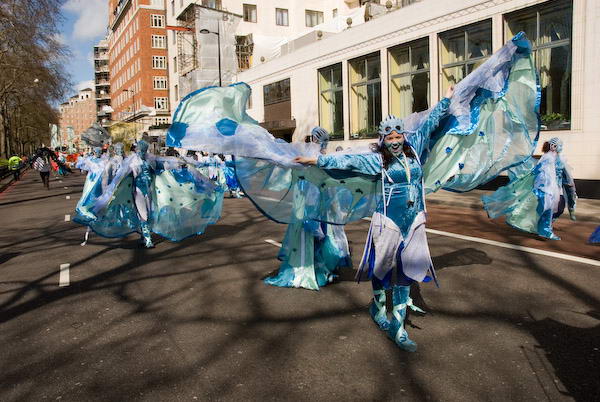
x=311, y=251
x=532, y=201
x=95, y=165
x=161, y=195
x=397, y=233
x=233, y=186
x=491, y=125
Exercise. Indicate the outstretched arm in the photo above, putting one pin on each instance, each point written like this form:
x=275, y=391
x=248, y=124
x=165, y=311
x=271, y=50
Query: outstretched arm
x=420, y=139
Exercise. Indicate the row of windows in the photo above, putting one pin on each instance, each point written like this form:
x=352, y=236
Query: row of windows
x=123, y=40
x=127, y=56
x=128, y=74
x=548, y=26
x=128, y=93
x=311, y=17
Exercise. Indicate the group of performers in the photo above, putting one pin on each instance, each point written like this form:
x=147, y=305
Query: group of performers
x=487, y=124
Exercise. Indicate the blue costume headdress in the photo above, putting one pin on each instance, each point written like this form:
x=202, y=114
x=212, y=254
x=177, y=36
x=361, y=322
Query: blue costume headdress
x=320, y=136
x=391, y=123
x=556, y=144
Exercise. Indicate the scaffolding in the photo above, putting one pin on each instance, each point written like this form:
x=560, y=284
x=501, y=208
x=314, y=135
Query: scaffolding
x=198, y=49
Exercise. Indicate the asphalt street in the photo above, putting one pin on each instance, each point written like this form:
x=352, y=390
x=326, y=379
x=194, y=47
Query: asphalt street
x=193, y=320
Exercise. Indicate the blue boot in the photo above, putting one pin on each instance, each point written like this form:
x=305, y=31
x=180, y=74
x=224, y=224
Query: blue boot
x=396, y=331
x=146, y=235
x=377, y=309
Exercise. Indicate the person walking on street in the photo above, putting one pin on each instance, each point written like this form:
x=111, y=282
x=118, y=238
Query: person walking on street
x=14, y=164
x=41, y=163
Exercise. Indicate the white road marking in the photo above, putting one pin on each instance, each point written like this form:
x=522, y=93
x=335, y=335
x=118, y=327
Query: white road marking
x=63, y=279
x=66, y=188
x=273, y=242
x=68, y=197
x=67, y=218
x=517, y=247
x=531, y=250
x=60, y=181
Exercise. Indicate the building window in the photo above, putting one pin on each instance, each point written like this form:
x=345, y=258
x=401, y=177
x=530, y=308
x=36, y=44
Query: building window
x=365, y=96
x=548, y=26
x=281, y=17
x=313, y=18
x=159, y=62
x=176, y=92
x=463, y=50
x=175, y=64
x=157, y=21
x=277, y=92
x=159, y=41
x=161, y=103
x=159, y=121
x=243, y=50
x=409, y=78
x=160, y=83
x=249, y=12
x=331, y=94
x=216, y=4
x=334, y=13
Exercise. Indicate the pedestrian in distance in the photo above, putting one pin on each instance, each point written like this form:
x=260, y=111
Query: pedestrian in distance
x=14, y=165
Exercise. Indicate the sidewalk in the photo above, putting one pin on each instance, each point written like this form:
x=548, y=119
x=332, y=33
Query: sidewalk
x=588, y=210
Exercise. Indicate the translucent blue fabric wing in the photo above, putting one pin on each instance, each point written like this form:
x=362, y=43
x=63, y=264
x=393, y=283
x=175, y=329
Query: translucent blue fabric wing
x=492, y=123
x=336, y=200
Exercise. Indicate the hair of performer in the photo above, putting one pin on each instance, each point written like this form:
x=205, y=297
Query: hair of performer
x=398, y=237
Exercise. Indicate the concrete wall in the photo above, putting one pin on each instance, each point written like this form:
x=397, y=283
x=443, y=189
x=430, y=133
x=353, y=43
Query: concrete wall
x=427, y=19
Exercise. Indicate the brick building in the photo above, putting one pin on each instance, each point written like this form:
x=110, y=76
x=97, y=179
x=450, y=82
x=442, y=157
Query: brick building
x=137, y=51
x=78, y=113
x=102, y=83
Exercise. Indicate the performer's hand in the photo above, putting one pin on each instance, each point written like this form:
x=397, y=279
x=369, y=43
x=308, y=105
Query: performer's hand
x=450, y=91
x=305, y=161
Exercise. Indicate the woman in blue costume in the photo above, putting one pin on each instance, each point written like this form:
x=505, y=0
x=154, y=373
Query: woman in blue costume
x=397, y=240
x=233, y=186
x=311, y=251
x=161, y=195
x=533, y=201
x=491, y=125
x=95, y=165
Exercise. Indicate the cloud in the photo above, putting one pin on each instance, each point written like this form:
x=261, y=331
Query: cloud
x=91, y=18
x=85, y=84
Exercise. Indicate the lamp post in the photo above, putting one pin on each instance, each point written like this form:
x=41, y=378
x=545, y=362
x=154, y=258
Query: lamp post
x=205, y=32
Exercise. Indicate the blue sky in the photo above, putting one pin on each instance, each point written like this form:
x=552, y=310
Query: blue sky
x=85, y=24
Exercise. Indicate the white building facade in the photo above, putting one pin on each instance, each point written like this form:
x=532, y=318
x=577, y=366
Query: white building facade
x=403, y=61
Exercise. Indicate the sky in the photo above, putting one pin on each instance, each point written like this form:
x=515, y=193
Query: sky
x=84, y=25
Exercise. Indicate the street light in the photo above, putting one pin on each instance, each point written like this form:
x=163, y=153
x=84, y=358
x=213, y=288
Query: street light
x=206, y=32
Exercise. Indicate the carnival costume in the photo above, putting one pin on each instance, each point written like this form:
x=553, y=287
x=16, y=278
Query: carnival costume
x=532, y=201
x=491, y=125
x=311, y=251
x=595, y=236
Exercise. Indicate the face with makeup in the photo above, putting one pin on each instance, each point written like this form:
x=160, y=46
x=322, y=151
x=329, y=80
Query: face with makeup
x=119, y=151
x=97, y=152
x=394, y=142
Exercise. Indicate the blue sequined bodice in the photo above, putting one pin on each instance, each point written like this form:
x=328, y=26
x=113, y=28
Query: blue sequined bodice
x=143, y=180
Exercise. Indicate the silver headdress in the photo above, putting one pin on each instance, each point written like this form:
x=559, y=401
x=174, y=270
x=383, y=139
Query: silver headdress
x=556, y=144
x=391, y=123
x=320, y=136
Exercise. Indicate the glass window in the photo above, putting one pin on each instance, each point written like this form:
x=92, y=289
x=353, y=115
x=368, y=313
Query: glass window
x=334, y=13
x=281, y=16
x=313, y=18
x=176, y=92
x=159, y=41
x=464, y=49
x=409, y=78
x=159, y=62
x=365, y=96
x=548, y=26
x=249, y=12
x=161, y=103
x=331, y=110
x=157, y=21
x=277, y=92
x=216, y=4
x=160, y=82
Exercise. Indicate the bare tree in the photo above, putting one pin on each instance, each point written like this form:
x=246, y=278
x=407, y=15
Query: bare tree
x=32, y=74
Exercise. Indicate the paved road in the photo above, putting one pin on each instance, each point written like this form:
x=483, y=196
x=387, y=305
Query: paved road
x=193, y=321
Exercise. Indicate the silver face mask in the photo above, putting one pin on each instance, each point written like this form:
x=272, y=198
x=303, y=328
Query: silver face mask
x=395, y=147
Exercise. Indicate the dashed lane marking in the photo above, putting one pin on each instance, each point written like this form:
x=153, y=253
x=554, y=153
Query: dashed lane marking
x=273, y=242
x=67, y=218
x=68, y=197
x=63, y=278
